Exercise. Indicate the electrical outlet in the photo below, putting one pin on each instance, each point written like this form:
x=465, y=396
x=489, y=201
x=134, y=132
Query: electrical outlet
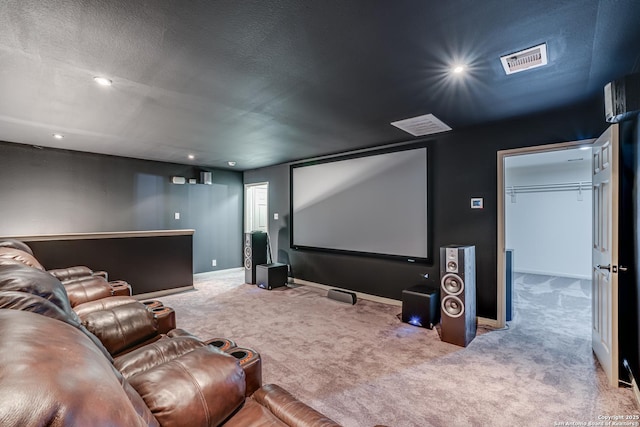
x=276, y=216
x=176, y=215
x=214, y=263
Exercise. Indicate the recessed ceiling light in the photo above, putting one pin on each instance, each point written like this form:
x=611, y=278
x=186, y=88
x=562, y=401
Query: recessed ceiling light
x=102, y=81
x=191, y=156
x=58, y=136
x=232, y=164
x=458, y=69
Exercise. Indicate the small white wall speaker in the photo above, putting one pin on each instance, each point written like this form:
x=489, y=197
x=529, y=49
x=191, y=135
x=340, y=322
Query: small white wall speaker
x=206, y=178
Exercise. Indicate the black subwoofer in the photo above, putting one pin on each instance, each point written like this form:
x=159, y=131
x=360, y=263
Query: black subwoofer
x=255, y=253
x=421, y=306
x=269, y=276
x=458, y=294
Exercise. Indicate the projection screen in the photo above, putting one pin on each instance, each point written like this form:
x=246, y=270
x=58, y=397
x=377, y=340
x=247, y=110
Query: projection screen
x=374, y=204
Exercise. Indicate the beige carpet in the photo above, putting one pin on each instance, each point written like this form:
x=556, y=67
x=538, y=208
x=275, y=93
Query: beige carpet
x=361, y=366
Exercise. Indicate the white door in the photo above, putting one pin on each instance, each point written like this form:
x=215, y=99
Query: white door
x=256, y=207
x=260, y=208
x=604, y=321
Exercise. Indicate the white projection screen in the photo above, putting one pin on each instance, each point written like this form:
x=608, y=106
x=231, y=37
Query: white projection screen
x=375, y=204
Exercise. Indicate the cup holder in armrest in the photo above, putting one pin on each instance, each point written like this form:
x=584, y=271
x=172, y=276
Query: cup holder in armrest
x=251, y=364
x=120, y=288
x=223, y=344
x=153, y=304
x=166, y=318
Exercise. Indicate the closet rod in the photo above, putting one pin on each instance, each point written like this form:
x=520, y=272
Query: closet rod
x=567, y=186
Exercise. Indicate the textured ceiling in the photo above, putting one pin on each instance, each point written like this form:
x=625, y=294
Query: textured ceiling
x=265, y=82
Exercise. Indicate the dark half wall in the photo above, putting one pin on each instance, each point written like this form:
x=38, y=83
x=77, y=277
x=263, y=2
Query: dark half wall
x=462, y=164
x=49, y=191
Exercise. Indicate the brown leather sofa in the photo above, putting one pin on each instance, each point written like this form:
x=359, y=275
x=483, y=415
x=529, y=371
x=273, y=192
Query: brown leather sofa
x=56, y=373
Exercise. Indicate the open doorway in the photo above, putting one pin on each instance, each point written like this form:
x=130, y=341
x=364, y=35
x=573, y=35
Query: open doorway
x=256, y=207
x=544, y=220
x=548, y=238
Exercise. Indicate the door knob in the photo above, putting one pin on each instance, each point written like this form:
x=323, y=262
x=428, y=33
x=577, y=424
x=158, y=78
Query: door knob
x=604, y=267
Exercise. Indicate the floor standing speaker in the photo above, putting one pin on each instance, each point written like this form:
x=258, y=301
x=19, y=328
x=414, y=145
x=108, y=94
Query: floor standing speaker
x=458, y=294
x=255, y=253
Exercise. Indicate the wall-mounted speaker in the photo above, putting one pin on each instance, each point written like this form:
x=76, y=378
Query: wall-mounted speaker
x=622, y=98
x=255, y=253
x=206, y=178
x=458, y=294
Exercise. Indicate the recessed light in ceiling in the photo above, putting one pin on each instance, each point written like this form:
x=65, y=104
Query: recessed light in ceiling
x=458, y=69
x=231, y=163
x=191, y=156
x=526, y=59
x=102, y=81
x=58, y=136
x=422, y=125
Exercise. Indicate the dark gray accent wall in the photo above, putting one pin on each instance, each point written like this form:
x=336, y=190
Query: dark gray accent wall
x=46, y=191
x=462, y=165
x=629, y=253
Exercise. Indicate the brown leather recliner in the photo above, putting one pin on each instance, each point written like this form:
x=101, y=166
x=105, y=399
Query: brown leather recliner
x=54, y=372
x=54, y=375
x=120, y=323
x=82, y=283
x=62, y=274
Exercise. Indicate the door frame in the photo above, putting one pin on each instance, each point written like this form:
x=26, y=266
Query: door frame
x=501, y=285
x=249, y=209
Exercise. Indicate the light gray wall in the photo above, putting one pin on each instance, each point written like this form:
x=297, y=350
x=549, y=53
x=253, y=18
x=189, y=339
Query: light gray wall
x=45, y=191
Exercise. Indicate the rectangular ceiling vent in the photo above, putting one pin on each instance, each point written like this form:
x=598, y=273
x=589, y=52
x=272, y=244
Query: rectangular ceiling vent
x=422, y=125
x=525, y=59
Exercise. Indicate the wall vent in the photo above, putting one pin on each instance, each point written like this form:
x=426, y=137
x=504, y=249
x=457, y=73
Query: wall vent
x=525, y=59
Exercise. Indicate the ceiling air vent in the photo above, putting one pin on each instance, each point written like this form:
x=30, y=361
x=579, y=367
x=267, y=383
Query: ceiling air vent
x=422, y=125
x=525, y=59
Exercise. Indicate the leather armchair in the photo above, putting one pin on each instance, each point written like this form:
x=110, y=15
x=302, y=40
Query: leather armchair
x=80, y=290
x=54, y=372
x=121, y=325
x=62, y=274
x=49, y=362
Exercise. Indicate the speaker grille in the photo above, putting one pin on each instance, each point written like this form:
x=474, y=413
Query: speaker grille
x=452, y=306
